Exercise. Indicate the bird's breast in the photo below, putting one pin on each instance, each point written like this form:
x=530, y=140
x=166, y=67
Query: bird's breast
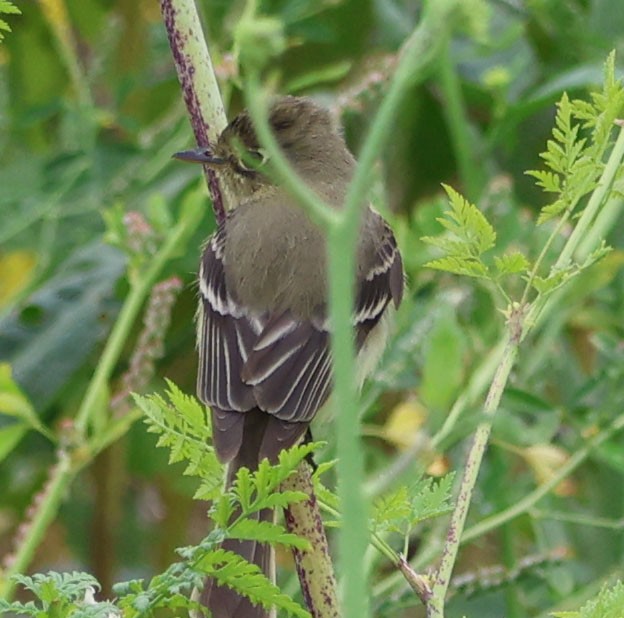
x=275, y=257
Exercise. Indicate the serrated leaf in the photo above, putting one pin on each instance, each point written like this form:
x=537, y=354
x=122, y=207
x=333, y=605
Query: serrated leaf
x=182, y=426
x=392, y=511
x=511, y=263
x=546, y=285
x=468, y=267
x=551, y=211
x=468, y=235
x=406, y=507
x=230, y=569
x=266, y=532
x=549, y=181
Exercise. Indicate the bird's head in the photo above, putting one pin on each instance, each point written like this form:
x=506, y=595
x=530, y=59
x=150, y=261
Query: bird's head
x=303, y=130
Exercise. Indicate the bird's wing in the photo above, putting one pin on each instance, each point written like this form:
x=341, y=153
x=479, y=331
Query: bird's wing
x=290, y=364
x=381, y=283
x=226, y=334
x=277, y=362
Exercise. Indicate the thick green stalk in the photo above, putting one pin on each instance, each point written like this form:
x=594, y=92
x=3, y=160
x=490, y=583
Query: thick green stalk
x=545, y=304
x=471, y=174
x=417, y=57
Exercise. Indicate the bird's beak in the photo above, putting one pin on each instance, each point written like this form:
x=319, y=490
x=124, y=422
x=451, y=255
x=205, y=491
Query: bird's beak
x=199, y=155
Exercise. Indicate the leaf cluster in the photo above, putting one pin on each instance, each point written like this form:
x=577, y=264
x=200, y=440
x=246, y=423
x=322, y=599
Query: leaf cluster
x=575, y=160
x=183, y=427
x=7, y=8
x=59, y=595
x=406, y=506
x=181, y=424
x=582, y=135
x=608, y=604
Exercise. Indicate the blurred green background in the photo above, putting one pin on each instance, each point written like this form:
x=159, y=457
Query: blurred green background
x=90, y=113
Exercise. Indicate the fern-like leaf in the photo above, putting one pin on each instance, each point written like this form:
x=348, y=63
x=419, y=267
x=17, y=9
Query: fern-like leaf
x=468, y=235
x=405, y=507
x=511, y=264
x=229, y=569
x=266, y=532
x=183, y=427
x=7, y=8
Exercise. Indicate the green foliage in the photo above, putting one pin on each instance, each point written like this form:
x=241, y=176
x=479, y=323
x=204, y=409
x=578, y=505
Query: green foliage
x=469, y=236
x=90, y=113
x=408, y=506
x=232, y=570
x=608, y=604
x=15, y=405
x=576, y=162
x=61, y=595
x=8, y=8
x=182, y=425
x=180, y=420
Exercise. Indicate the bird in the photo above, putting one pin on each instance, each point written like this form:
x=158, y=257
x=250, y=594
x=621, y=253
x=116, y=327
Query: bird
x=265, y=365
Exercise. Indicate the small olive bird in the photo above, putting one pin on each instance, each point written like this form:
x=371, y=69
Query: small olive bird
x=265, y=364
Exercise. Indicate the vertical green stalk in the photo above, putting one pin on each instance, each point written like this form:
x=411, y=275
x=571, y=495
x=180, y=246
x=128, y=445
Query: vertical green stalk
x=417, y=57
x=472, y=175
x=350, y=465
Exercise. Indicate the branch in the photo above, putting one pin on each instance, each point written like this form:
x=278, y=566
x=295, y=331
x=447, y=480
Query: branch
x=198, y=82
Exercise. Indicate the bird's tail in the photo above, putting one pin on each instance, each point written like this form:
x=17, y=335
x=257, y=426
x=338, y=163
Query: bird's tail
x=224, y=602
x=239, y=439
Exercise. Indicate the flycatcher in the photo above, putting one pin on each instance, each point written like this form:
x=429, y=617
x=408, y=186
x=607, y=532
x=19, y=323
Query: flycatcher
x=265, y=364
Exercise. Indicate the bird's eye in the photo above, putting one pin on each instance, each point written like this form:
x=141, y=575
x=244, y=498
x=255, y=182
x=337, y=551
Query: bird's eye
x=253, y=159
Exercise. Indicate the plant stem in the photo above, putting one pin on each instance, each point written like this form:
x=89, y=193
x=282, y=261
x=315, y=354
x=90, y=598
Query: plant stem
x=477, y=384
x=48, y=503
x=199, y=84
x=595, y=202
x=472, y=175
x=94, y=402
x=544, y=303
x=314, y=565
x=435, y=607
x=526, y=503
x=55, y=12
x=418, y=55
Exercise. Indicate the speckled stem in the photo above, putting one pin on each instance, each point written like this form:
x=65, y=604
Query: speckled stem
x=198, y=82
x=442, y=579
x=314, y=566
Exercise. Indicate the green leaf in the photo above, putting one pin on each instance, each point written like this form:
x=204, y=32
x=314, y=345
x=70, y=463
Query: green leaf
x=511, y=263
x=229, y=569
x=182, y=425
x=10, y=437
x=546, y=285
x=13, y=402
x=7, y=8
x=608, y=604
x=443, y=364
x=458, y=266
x=266, y=532
x=468, y=236
x=407, y=506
